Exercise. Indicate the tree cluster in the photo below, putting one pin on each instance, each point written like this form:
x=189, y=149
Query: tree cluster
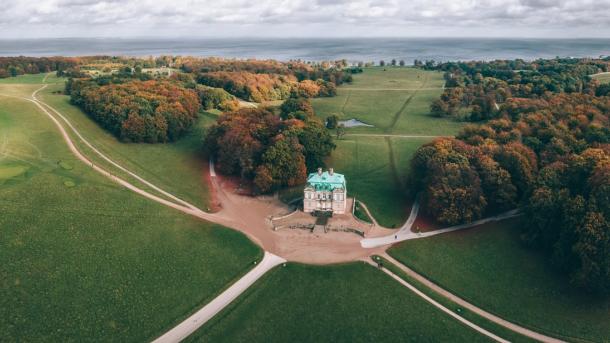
x=250, y=86
x=138, y=111
x=476, y=91
x=216, y=98
x=13, y=66
x=258, y=145
x=548, y=155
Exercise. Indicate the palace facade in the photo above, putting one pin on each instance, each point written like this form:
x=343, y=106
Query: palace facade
x=325, y=192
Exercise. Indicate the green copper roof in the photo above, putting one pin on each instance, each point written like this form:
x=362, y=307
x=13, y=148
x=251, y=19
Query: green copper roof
x=326, y=181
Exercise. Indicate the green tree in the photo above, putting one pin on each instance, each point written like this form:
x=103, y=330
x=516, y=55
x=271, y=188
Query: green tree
x=293, y=105
x=332, y=121
x=317, y=143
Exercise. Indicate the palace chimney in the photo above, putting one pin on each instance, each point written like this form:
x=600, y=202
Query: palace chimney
x=320, y=171
x=330, y=171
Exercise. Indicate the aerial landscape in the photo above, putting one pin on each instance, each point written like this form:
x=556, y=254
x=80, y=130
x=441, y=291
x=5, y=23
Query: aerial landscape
x=292, y=171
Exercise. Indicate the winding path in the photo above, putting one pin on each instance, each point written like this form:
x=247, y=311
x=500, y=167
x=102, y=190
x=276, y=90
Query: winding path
x=463, y=303
x=438, y=305
x=270, y=260
x=405, y=233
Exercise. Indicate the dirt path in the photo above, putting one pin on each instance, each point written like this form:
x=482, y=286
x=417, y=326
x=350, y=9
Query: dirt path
x=388, y=135
x=438, y=305
x=366, y=209
x=402, y=234
x=404, y=106
x=398, y=89
x=248, y=215
x=463, y=303
x=195, y=321
x=392, y=159
x=106, y=158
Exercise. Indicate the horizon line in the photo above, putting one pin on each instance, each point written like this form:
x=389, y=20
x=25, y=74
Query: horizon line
x=306, y=37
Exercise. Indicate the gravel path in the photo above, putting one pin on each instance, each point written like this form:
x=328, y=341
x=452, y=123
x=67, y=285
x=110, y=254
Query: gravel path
x=194, y=322
x=440, y=306
x=405, y=233
x=463, y=303
x=239, y=215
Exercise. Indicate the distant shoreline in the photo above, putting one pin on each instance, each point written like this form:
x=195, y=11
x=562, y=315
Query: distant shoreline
x=315, y=49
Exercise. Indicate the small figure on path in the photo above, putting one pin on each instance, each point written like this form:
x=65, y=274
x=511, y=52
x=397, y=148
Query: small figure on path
x=395, y=236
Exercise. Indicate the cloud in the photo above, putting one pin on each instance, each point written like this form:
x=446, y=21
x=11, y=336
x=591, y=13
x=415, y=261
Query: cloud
x=219, y=17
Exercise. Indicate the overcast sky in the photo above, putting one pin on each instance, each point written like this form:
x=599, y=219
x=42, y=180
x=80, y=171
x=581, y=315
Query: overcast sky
x=304, y=18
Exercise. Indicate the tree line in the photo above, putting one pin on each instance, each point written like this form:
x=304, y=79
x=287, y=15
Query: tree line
x=547, y=154
x=475, y=91
x=14, y=66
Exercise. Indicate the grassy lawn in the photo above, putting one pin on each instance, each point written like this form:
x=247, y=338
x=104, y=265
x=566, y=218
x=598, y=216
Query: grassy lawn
x=376, y=169
x=342, y=303
x=25, y=79
x=603, y=77
x=178, y=167
x=463, y=312
x=82, y=259
x=397, y=102
x=360, y=213
x=492, y=269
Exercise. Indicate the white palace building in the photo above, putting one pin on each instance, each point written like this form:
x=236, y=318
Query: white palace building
x=325, y=192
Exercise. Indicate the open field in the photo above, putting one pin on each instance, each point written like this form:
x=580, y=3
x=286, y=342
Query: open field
x=176, y=167
x=396, y=101
x=602, y=77
x=24, y=79
x=490, y=267
x=376, y=169
x=82, y=258
x=342, y=303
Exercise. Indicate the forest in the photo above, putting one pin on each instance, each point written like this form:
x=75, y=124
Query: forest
x=273, y=151
x=152, y=111
x=476, y=90
x=544, y=148
x=268, y=80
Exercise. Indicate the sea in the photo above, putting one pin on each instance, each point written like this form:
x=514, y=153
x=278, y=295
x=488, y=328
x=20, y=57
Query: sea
x=315, y=49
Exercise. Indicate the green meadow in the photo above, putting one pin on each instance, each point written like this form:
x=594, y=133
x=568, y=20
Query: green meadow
x=396, y=100
x=342, y=303
x=376, y=170
x=83, y=259
x=178, y=167
x=490, y=267
x=602, y=77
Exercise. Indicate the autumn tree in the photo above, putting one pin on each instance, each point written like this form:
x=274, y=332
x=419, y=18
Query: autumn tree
x=258, y=145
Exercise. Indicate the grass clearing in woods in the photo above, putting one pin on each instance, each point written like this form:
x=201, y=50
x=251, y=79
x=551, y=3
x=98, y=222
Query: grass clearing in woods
x=397, y=101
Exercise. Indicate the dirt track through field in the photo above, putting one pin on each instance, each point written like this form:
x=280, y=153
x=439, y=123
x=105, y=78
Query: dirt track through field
x=248, y=215
x=398, y=114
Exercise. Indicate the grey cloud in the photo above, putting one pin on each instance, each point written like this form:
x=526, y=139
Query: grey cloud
x=85, y=17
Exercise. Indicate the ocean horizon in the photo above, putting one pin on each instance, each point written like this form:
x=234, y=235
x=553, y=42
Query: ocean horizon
x=316, y=49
